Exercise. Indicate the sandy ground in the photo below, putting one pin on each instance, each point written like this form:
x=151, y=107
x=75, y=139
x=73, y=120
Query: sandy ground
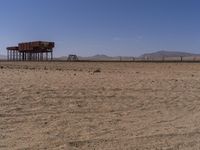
x=134, y=106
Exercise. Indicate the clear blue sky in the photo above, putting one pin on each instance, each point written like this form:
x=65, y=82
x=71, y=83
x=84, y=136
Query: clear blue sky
x=112, y=27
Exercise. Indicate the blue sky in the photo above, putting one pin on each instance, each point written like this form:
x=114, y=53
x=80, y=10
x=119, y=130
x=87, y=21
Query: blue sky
x=111, y=27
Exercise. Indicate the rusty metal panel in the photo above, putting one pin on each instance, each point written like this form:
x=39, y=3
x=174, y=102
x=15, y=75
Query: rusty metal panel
x=36, y=46
x=13, y=48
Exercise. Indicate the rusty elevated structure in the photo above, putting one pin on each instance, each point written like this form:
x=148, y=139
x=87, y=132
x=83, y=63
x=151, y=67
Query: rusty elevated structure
x=31, y=51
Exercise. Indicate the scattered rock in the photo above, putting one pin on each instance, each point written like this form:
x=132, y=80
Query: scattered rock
x=58, y=69
x=25, y=67
x=97, y=71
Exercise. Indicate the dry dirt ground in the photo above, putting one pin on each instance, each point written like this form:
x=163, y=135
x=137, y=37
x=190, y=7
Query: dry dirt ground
x=111, y=106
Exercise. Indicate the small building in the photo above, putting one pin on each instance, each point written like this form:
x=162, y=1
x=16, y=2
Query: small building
x=31, y=51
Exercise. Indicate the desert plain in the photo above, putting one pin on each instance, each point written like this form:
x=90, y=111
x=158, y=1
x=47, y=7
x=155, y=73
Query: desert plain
x=99, y=106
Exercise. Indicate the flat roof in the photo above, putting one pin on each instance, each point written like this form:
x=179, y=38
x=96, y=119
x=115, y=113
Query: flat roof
x=34, y=46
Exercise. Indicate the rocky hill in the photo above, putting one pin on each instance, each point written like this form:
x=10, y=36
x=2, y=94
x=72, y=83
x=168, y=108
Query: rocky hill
x=160, y=54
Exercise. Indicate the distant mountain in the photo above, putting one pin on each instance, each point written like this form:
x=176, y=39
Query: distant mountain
x=99, y=57
x=161, y=54
x=3, y=57
x=95, y=57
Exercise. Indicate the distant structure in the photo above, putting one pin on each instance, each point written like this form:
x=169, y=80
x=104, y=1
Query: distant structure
x=72, y=58
x=31, y=51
